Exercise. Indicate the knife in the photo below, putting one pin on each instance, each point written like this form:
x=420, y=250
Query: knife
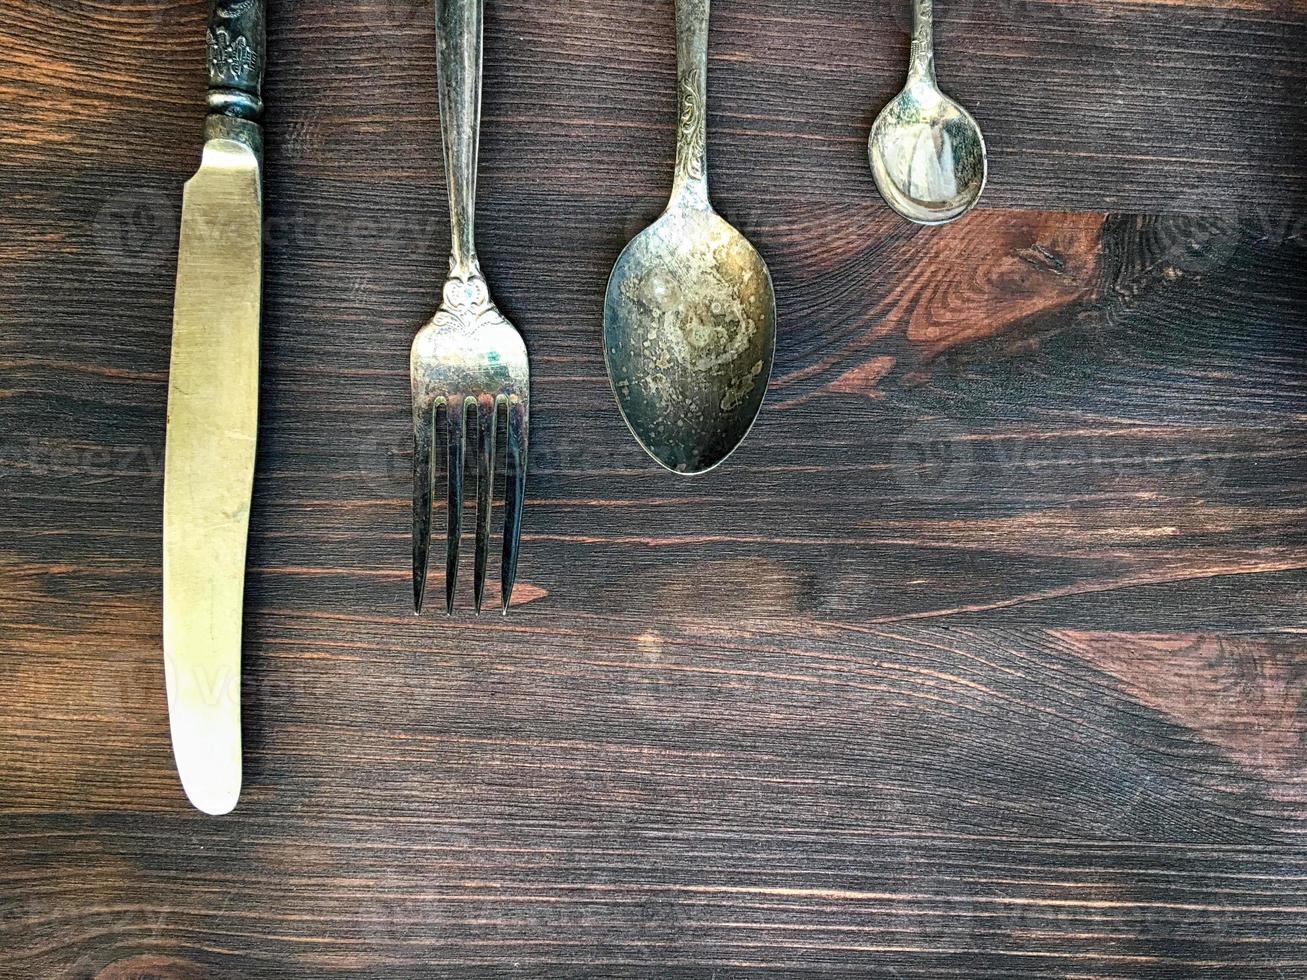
x=213, y=390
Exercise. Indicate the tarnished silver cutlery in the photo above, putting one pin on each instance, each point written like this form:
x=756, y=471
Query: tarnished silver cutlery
x=213, y=409
x=927, y=152
x=690, y=315
x=468, y=360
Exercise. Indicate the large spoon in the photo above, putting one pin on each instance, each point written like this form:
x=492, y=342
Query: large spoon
x=690, y=316
x=927, y=151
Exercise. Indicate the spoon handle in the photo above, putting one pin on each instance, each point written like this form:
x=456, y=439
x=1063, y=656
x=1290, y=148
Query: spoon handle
x=459, y=32
x=922, y=64
x=692, y=85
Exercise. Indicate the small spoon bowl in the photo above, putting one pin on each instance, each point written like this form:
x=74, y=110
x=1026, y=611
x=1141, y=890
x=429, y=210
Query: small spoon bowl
x=690, y=336
x=928, y=155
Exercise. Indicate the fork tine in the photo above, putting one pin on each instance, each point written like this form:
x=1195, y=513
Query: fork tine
x=457, y=436
x=514, y=492
x=424, y=435
x=485, y=486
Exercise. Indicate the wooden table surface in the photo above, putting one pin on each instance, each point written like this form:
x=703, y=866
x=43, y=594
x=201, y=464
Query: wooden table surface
x=985, y=656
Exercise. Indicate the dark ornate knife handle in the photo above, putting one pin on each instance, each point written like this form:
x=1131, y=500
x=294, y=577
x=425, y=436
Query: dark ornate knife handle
x=237, y=52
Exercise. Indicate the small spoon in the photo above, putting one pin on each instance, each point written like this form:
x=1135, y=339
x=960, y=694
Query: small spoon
x=690, y=315
x=927, y=151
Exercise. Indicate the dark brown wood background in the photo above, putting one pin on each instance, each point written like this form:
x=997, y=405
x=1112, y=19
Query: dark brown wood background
x=985, y=656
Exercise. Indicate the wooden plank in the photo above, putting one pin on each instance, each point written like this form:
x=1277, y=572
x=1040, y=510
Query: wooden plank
x=1141, y=107
x=1108, y=418
x=580, y=902
x=928, y=802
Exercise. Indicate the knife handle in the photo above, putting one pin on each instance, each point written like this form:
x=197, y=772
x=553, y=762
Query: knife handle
x=237, y=43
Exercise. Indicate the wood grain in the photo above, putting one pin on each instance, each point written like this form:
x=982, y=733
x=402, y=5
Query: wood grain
x=984, y=657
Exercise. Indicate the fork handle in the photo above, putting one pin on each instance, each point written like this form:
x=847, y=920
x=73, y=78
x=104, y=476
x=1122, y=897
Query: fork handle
x=237, y=43
x=459, y=33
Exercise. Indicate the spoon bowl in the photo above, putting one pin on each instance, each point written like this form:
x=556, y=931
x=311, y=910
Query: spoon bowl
x=689, y=337
x=928, y=155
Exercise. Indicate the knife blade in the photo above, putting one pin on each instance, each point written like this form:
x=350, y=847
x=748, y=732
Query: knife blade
x=213, y=389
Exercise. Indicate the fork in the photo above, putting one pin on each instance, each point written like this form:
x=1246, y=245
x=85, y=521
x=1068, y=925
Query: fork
x=468, y=360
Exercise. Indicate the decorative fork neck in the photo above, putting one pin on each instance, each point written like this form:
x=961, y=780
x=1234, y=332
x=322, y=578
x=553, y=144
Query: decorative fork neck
x=466, y=290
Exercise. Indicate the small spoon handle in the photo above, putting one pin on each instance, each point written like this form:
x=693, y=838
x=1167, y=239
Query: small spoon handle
x=922, y=64
x=692, y=85
x=459, y=38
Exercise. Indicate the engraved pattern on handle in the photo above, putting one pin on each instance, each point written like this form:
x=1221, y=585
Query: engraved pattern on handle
x=922, y=64
x=459, y=37
x=692, y=18
x=237, y=54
